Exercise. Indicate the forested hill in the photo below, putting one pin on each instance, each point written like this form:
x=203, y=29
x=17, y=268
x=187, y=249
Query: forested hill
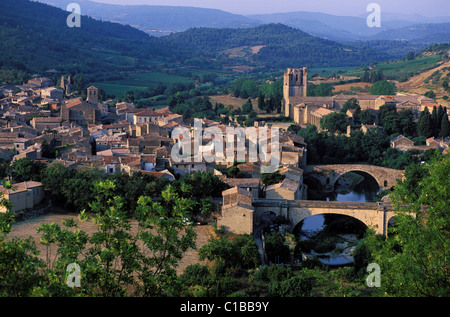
x=282, y=47
x=35, y=37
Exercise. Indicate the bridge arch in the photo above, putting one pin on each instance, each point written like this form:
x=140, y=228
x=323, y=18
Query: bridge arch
x=329, y=174
x=366, y=221
x=373, y=215
x=368, y=177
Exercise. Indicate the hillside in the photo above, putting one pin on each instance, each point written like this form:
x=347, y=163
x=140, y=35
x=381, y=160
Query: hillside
x=35, y=37
x=429, y=80
x=159, y=20
x=419, y=33
x=278, y=46
x=350, y=28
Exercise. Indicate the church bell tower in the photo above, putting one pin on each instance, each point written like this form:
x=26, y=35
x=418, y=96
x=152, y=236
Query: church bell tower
x=295, y=85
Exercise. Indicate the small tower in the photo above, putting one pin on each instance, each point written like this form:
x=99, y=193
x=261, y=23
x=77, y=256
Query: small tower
x=65, y=84
x=295, y=85
x=92, y=95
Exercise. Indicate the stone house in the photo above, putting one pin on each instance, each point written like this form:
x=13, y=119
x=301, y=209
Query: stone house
x=136, y=116
x=433, y=143
x=237, y=211
x=52, y=93
x=80, y=112
x=23, y=196
x=402, y=143
x=251, y=185
x=287, y=189
x=183, y=168
x=44, y=123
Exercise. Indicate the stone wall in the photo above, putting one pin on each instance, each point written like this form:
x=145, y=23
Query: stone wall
x=237, y=219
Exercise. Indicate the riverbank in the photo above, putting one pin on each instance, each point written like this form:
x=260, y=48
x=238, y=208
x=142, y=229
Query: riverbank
x=341, y=255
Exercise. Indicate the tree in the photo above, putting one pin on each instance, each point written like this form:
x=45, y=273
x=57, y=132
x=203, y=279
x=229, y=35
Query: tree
x=54, y=178
x=276, y=249
x=367, y=117
x=406, y=122
x=112, y=255
x=233, y=171
x=273, y=178
x=410, y=56
x=435, y=125
x=165, y=235
x=334, y=122
x=424, y=126
x=366, y=77
x=20, y=265
x=261, y=101
x=323, y=90
x=296, y=286
x=47, y=150
x=320, y=90
x=247, y=107
x=430, y=94
x=445, y=126
x=383, y=87
x=238, y=253
x=352, y=103
x=25, y=169
x=79, y=83
x=414, y=259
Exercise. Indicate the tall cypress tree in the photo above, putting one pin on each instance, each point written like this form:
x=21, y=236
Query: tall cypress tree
x=445, y=126
x=435, y=124
x=424, y=127
x=440, y=113
x=261, y=101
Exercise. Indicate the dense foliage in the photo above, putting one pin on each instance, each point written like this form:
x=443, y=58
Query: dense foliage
x=414, y=259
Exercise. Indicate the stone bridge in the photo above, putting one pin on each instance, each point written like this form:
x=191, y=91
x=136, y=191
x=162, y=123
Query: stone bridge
x=374, y=215
x=327, y=175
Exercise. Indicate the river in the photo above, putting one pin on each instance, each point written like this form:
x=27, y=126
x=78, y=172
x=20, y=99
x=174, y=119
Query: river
x=340, y=233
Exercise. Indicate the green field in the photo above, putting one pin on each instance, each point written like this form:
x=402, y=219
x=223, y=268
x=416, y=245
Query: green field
x=327, y=71
x=140, y=81
x=402, y=69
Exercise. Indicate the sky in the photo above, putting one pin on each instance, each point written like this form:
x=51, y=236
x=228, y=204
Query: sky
x=336, y=7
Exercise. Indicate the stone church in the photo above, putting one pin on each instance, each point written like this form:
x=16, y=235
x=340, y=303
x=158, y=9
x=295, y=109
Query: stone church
x=82, y=112
x=303, y=109
x=297, y=105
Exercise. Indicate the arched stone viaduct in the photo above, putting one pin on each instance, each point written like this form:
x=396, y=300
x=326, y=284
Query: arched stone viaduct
x=374, y=215
x=329, y=174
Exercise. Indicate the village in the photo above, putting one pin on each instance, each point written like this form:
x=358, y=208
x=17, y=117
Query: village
x=46, y=123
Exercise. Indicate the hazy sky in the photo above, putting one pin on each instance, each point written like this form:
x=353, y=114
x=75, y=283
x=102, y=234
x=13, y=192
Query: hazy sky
x=336, y=7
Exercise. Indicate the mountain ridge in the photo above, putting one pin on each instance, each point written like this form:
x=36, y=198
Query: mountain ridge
x=161, y=20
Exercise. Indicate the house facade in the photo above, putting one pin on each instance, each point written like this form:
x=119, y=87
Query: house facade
x=23, y=196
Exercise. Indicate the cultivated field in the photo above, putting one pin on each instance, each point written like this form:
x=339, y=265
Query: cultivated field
x=140, y=81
